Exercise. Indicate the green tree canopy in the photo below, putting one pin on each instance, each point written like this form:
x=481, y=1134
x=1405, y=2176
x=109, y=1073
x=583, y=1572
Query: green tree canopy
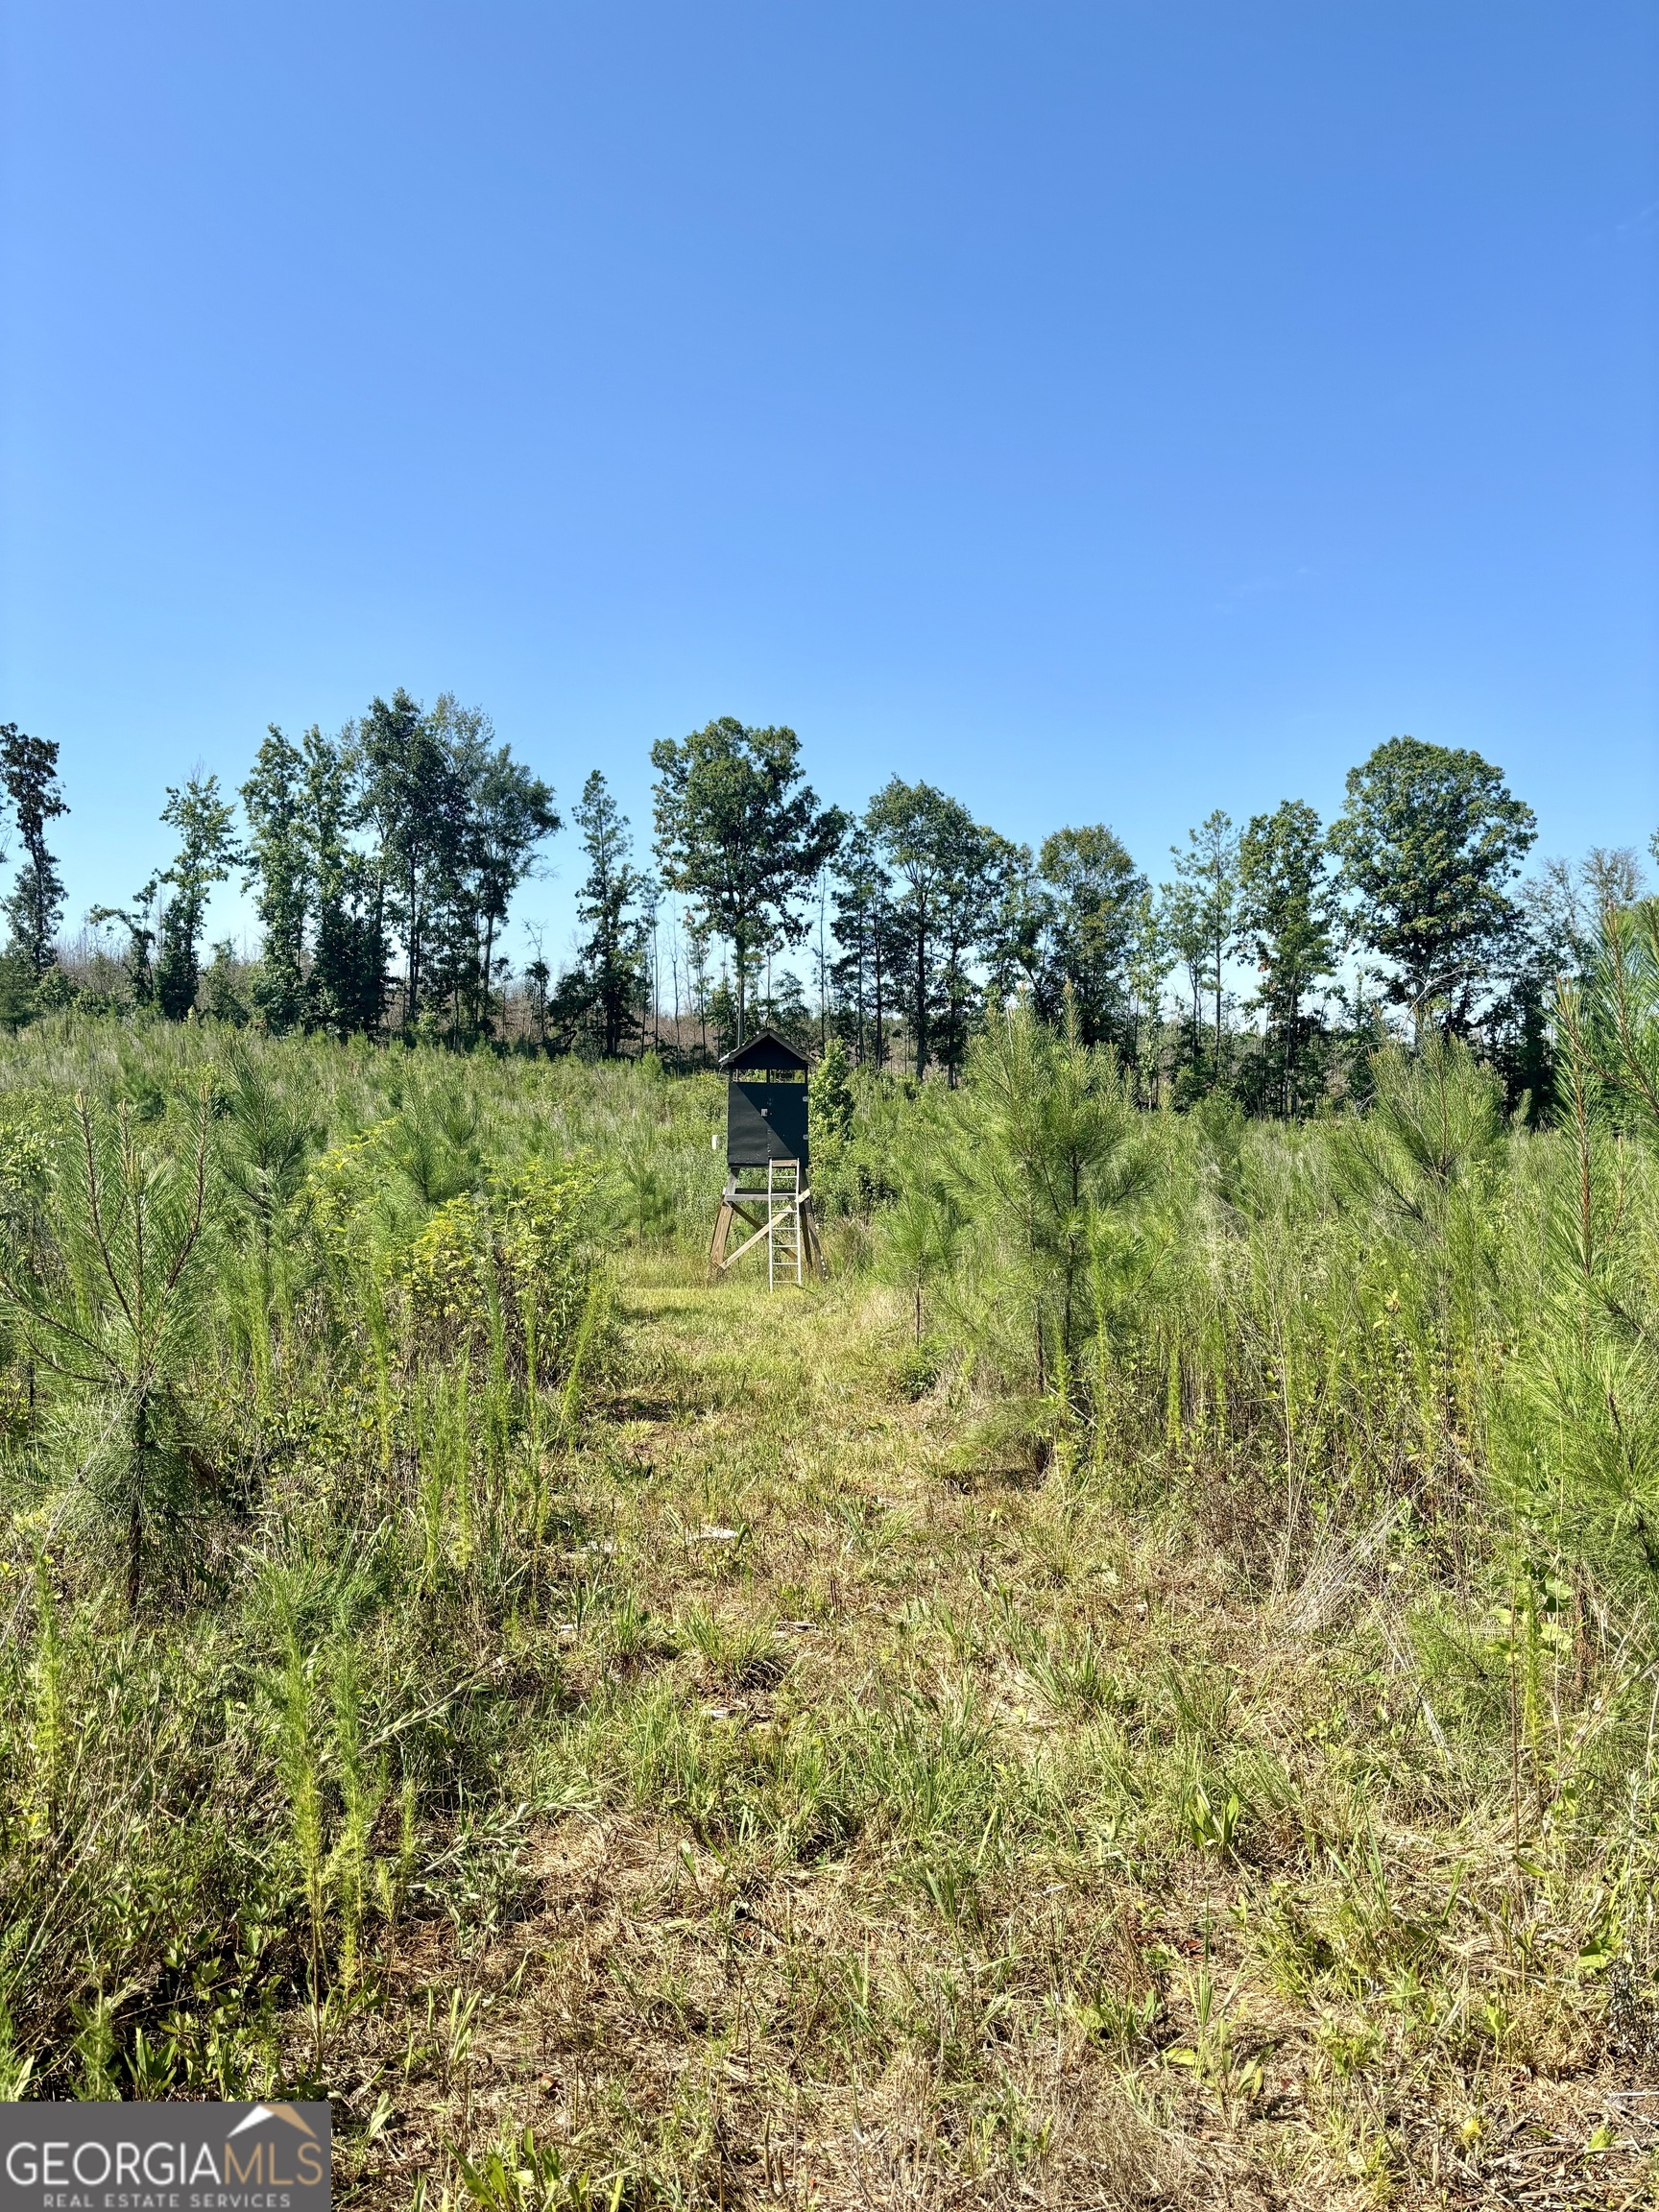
x=866, y=933
x=347, y=983
x=980, y=889
x=604, y=994
x=508, y=814
x=1429, y=839
x=29, y=771
x=273, y=800
x=740, y=835
x=1288, y=917
x=454, y=822
x=1202, y=921
x=1089, y=915
x=952, y=873
x=208, y=852
x=415, y=800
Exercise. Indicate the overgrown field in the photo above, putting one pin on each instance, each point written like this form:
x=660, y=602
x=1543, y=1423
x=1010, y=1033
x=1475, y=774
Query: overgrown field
x=1140, y=1689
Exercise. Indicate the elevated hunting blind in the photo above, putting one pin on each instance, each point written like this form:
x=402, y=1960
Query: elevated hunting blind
x=766, y=1160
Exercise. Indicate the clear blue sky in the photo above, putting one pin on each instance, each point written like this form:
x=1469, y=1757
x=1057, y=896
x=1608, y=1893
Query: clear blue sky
x=1107, y=412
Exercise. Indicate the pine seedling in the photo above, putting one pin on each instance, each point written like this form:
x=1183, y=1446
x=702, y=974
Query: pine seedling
x=432, y=1494
x=49, y=1731
x=392, y=1876
x=95, y=2047
x=499, y=1396
x=380, y=1357
x=361, y=1793
x=570, y=1395
x=303, y=1785
x=1172, y=1426
x=114, y=1307
x=457, y=1445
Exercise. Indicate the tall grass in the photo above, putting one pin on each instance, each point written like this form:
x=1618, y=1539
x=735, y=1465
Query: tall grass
x=1174, y=1616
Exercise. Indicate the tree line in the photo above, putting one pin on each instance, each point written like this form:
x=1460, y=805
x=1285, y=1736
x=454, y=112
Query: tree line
x=1268, y=963
x=383, y=862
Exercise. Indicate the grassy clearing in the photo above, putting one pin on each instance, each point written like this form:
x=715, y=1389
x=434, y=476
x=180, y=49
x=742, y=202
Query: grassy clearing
x=947, y=1836
x=633, y=1742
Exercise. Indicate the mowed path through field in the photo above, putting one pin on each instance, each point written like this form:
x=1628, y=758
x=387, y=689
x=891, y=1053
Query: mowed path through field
x=896, y=1825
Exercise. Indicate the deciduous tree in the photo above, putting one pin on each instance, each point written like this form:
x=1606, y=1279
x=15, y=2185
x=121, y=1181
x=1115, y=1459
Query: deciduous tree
x=947, y=866
x=414, y=798
x=1207, y=873
x=506, y=814
x=1093, y=892
x=207, y=852
x=29, y=771
x=348, y=986
x=273, y=800
x=1288, y=917
x=1429, y=840
x=976, y=896
x=741, y=836
x=865, y=931
x=604, y=992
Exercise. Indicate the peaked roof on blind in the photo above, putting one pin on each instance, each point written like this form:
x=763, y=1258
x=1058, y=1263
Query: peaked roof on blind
x=766, y=1050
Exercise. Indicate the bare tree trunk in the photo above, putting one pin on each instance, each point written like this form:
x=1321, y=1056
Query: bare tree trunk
x=862, y=1046
x=822, y=962
x=1292, y=1100
x=412, y=961
x=921, y=999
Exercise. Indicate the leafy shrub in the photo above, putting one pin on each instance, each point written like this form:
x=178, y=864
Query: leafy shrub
x=514, y=1266
x=920, y=1367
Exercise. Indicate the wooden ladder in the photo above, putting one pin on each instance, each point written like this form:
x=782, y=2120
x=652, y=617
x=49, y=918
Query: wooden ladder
x=782, y=1222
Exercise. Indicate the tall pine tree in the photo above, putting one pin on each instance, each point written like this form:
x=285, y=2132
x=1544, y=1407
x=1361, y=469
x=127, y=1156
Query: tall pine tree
x=29, y=771
x=601, y=1000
